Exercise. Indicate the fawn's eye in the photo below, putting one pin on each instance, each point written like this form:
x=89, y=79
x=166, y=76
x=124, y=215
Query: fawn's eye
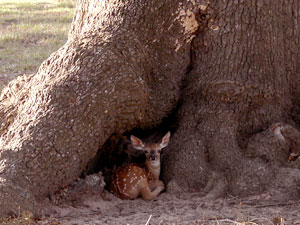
x=159, y=151
x=146, y=151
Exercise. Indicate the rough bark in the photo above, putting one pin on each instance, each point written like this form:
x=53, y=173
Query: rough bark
x=244, y=79
x=121, y=68
x=230, y=68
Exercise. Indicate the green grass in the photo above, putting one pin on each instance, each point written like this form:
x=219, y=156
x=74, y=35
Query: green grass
x=30, y=30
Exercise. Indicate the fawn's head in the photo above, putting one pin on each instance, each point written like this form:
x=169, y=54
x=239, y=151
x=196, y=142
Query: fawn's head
x=151, y=150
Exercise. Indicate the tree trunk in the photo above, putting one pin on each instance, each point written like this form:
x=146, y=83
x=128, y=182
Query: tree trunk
x=122, y=68
x=229, y=69
x=245, y=78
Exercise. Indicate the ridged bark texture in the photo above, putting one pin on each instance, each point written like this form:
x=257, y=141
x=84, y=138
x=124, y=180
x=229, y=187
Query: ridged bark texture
x=245, y=78
x=122, y=67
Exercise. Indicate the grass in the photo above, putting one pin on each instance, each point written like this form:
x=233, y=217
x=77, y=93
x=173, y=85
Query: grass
x=30, y=30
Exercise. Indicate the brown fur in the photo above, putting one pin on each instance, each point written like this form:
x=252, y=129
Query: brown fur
x=131, y=181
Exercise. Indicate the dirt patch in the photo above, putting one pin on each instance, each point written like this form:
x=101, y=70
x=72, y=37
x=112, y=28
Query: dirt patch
x=181, y=208
x=86, y=202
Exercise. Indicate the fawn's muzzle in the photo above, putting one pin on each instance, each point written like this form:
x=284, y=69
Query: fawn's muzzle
x=152, y=157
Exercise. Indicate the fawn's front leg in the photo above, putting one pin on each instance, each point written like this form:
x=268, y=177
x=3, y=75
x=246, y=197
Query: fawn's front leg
x=149, y=193
x=156, y=183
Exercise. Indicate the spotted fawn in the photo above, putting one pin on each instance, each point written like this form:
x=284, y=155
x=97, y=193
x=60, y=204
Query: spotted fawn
x=131, y=181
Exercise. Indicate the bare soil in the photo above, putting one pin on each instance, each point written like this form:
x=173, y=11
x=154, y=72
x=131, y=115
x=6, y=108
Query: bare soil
x=180, y=208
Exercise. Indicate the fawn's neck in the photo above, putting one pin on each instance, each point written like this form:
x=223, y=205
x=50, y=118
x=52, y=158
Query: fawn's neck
x=153, y=168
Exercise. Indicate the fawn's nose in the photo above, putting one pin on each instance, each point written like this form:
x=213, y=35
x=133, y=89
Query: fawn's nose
x=152, y=157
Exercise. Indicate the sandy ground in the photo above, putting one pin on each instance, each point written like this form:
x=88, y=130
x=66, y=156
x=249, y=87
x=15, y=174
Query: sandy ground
x=183, y=208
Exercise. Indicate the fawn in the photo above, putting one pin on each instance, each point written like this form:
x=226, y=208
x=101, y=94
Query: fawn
x=131, y=181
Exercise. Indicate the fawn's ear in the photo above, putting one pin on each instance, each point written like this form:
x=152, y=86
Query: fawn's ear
x=137, y=143
x=165, y=140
